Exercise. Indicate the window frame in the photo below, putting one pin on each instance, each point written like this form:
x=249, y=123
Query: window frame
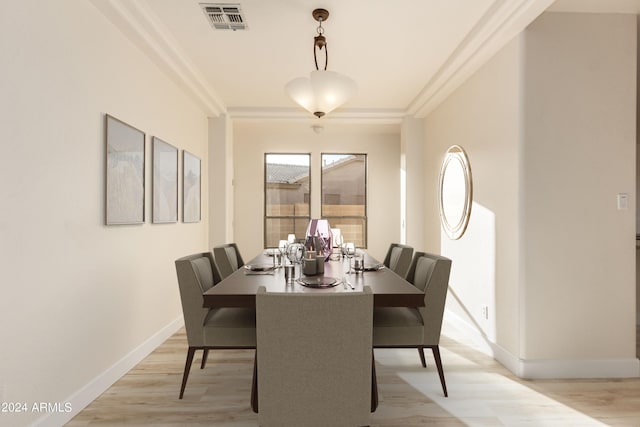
x=266, y=217
x=364, y=217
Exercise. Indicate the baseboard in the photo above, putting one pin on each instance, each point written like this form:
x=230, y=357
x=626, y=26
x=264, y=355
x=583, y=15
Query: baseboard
x=550, y=368
x=589, y=368
x=87, y=394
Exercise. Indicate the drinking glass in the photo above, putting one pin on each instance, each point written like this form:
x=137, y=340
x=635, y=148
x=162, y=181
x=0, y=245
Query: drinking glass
x=338, y=242
x=349, y=250
x=343, y=250
x=282, y=247
x=358, y=263
x=295, y=254
x=289, y=273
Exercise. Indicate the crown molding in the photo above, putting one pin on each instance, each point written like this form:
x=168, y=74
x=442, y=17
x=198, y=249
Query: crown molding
x=343, y=115
x=146, y=31
x=501, y=22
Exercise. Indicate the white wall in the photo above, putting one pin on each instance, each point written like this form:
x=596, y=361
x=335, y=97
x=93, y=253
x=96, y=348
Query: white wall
x=220, y=181
x=549, y=125
x=77, y=296
x=580, y=125
x=483, y=117
x=380, y=142
x=412, y=156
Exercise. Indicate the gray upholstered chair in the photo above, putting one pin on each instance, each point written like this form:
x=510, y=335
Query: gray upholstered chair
x=228, y=258
x=215, y=328
x=398, y=258
x=400, y=327
x=314, y=358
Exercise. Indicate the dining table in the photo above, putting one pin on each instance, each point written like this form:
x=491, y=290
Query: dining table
x=240, y=288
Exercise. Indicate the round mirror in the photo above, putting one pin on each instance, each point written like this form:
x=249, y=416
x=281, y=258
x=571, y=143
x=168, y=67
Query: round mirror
x=455, y=192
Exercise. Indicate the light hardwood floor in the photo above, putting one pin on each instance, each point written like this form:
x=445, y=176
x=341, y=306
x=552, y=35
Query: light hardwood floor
x=481, y=392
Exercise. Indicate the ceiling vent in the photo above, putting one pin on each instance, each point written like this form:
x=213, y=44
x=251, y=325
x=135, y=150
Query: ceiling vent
x=224, y=16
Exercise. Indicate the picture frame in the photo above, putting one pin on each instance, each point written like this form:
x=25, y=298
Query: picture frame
x=191, y=187
x=125, y=173
x=165, y=182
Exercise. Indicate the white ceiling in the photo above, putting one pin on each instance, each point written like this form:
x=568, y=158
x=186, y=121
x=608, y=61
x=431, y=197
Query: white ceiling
x=405, y=55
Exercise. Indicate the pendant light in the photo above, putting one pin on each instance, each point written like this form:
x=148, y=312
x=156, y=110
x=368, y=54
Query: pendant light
x=323, y=91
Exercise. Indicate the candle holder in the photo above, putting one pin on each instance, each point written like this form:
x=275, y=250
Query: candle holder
x=319, y=232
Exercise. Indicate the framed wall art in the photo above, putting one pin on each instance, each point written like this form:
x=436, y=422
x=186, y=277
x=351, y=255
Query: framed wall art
x=191, y=183
x=165, y=182
x=125, y=186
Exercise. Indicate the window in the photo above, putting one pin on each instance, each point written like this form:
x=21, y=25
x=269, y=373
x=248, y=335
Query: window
x=344, y=195
x=286, y=201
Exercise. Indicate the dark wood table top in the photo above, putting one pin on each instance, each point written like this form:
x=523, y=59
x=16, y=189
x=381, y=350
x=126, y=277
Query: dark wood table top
x=240, y=288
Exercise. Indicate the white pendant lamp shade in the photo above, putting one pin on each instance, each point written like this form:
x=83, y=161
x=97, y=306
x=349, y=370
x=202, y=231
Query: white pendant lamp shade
x=322, y=93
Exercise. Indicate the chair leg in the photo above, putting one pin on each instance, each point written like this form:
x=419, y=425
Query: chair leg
x=422, y=359
x=254, y=385
x=187, y=368
x=374, y=385
x=436, y=355
x=205, y=354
